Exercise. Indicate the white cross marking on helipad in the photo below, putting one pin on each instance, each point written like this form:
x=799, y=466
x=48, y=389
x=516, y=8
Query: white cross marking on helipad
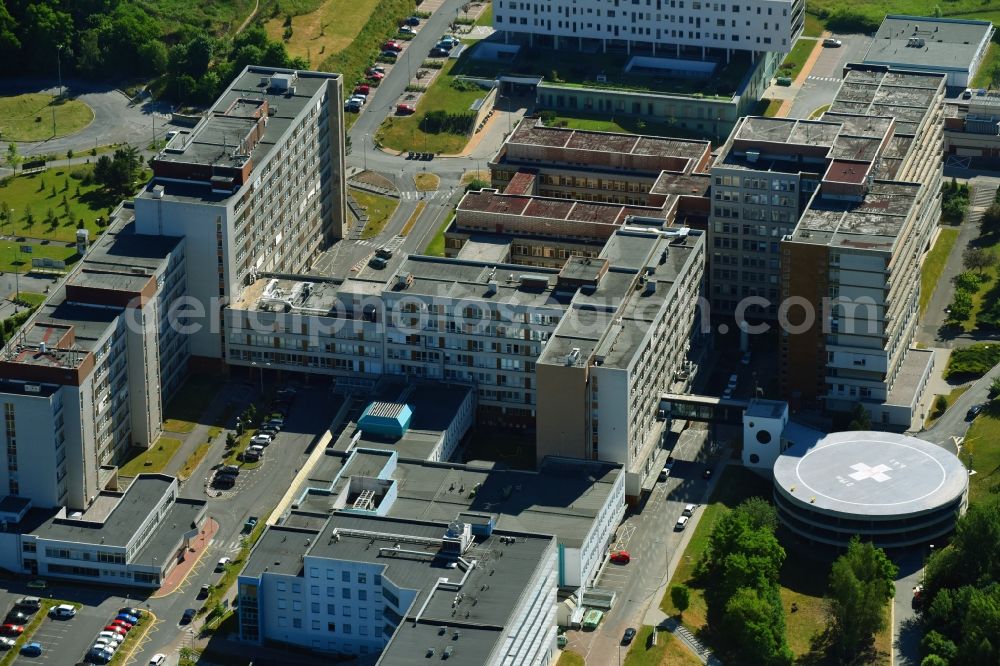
x=877, y=473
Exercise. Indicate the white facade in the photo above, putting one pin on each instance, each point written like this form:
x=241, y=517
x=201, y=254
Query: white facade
x=751, y=25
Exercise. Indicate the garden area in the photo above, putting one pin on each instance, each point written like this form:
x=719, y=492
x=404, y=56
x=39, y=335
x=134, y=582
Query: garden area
x=981, y=453
x=437, y=125
x=976, y=304
x=796, y=58
x=972, y=362
x=38, y=116
x=379, y=209
x=801, y=603
x=151, y=460
x=435, y=248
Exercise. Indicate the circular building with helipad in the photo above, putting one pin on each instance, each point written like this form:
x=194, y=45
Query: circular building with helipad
x=890, y=489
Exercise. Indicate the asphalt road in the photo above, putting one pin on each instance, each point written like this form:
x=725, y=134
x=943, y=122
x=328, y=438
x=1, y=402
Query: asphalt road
x=821, y=85
x=650, y=539
x=953, y=424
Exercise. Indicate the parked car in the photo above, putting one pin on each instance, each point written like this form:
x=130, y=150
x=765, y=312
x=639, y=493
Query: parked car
x=16, y=617
x=354, y=107
x=6, y=643
x=187, y=616
x=117, y=628
x=105, y=644
x=374, y=76
x=158, y=659
x=374, y=69
x=392, y=45
x=135, y=612
x=233, y=470
x=733, y=381
x=681, y=523
x=28, y=604
x=451, y=39
x=829, y=42
x=628, y=636
x=389, y=55
x=37, y=584
x=621, y=557
x=967, y=94
x=447, y=46
x=111, y=637
x=405, y=109
x=362, y=89
x=357, y=99
x=203, y=592
x=745, y=359
x=122, y=623
x=973, y=412
x=664, y=474
x=100, y=656
x=407, y=30
x=12, y=629
x=32, y=649
x=438, y=52
x=688, y=510
x=224, y=481
x=250, y=524
x=131, y=619
x=63, y=611
x=378, y=263
x=413, y=20
x=222, y=563
x=918, y=591
x=276, y=421
x=261, y=439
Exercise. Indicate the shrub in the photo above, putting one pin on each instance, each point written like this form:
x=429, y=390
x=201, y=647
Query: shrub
x=961, y=306
x=464, y=85
x=973, y=361
x=437, y=122
x=853, y=20
x=969, y=281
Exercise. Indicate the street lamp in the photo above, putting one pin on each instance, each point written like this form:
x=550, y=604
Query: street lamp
x=364, y=149
x=59, y=49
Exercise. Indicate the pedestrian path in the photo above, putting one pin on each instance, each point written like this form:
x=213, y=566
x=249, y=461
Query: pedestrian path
x=196, y=548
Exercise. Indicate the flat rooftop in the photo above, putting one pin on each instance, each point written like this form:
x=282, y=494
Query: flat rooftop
x=536, y=134
x=905, y=96
x=550, y=208
x=563, y=498
x=861, y=473
x=872, y=223
x=114, y=518
x=937, y=44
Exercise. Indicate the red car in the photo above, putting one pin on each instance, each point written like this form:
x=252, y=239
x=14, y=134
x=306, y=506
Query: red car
x=374, y=76
x=405, y=109
x=362, y=90
x=392, y=45
x=621, y=557
x=123, y=624
x=117, y=628
x=13, y=629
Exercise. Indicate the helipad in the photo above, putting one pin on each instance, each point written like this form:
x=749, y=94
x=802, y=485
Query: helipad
x=892, y=489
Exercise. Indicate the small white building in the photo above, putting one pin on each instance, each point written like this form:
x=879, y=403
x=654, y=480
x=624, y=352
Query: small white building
x=955, y=47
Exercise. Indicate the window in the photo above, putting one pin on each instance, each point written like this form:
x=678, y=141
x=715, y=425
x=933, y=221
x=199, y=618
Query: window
x=282, y=604
x=362, y=595
x=345, y=611
x=345, y=593
x=314, y=572
x=331, y=591
x=297, y=622
x=363, y=613
x=282, y=621
x=314, y=607
x=345, y=576
x=347, y=629
x=296, y=605
x=362, y=578
x=281, y=586
x=314, y=590
x=331, y=626
x=331, y=609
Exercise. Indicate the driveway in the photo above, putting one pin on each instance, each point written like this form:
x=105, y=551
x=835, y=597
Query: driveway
x=906, y=632
x=821, y=85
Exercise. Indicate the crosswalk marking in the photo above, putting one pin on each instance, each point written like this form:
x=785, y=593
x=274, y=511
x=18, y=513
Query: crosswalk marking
x=416, y=195
x=832, y=79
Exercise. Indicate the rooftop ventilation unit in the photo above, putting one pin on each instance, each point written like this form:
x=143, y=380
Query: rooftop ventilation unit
x=753, y=156
x=492, y=288
x=573, y=356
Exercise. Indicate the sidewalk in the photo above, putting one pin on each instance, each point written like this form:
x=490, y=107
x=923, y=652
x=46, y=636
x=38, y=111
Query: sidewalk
x=788, y=95
x=195, y=550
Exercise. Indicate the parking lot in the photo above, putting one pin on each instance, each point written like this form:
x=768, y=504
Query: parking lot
x=65, y=641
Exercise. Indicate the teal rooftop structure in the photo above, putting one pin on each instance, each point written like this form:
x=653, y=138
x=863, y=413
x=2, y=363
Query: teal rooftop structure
x=386, y=419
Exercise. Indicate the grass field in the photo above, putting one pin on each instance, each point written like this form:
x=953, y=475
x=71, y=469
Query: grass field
x=404, y=133
x=819, y=111
x=626, y=125
x=215, y=16
x=934, y=264
x=951, y=397
x=768, y=107
x=427, y=182
x=972, y=361
x=981, y=453
x=29, y=117
x=989, y=70
x=667, y=651
x=34, y=192
x=435, y=248
x=802, y=581
x=323, y=30
x=193, y=461
x=157, y=456
x=486, y=18
x=185, y=410
x=32, y=298
x=380, y=210
x=813, y=27
x=797, y=57
x=11, y=258
x=570, y=658
x=909, y=7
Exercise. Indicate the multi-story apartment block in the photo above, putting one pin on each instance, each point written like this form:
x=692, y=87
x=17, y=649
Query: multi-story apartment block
x=402, y=589
x=86, y=377
x=861, y=241
x=257, y=186
x=658, y=27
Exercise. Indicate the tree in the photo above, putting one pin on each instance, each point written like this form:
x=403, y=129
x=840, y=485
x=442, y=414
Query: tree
x=961, y=306
x=936, y=644
x=978, y=258
x=990, y=222
x=861, y=584
x=755, y=625
x=861, y=418
x=69, y=157
x=934, y=660
x=680, y=595
x=14, y=158
x=941, y=404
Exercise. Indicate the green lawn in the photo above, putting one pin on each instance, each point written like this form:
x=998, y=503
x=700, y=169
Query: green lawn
x=153, y=459
x=193, y=461
x=768, y=107
x=379, y=208
x=626, y=125
x=934, y=264
x=33, y=299
x=911, y=7
x=989, y=70
x=802, y=580
x=11, y=257
x=668, y=650
x=486, y=18
x=215, y=16
x=570, y=658
x=34, y=193
x=813, y=26
x=981, y=453
x=797, y=57
x=29, y=117
x=404, y=133
x=435, y=248
x=950, y=399
x=972, y=362
x=320, y=28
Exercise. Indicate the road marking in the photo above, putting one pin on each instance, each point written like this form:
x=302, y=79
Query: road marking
x=831, y=79
x=142, y=638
